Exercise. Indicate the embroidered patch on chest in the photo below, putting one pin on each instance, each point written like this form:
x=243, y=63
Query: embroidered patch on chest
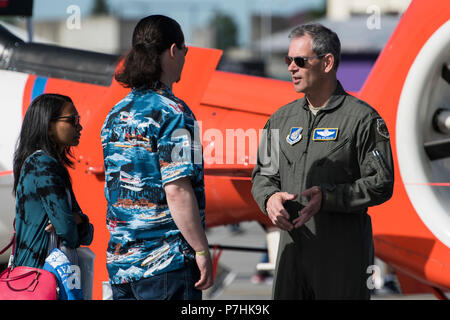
x=295, y=135
x=325, y=134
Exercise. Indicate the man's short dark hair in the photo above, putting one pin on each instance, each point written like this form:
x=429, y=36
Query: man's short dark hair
x=324, y=40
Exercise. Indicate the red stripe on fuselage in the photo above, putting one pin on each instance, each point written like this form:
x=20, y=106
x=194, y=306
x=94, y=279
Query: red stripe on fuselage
x=27, y=93
x=5, y=173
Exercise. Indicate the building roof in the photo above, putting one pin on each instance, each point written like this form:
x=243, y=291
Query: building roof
x=23, y=34
x=356, y=35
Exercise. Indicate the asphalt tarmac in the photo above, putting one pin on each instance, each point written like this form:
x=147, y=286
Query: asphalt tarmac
x=238, y=267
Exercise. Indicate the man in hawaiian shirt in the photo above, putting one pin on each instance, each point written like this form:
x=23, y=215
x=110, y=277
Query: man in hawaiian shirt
x=154, y=182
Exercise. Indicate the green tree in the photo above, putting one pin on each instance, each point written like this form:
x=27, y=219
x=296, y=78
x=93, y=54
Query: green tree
x=100, y=8
x=225, y=30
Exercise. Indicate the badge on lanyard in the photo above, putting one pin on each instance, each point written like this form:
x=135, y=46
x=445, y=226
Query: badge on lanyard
x=294, y=136
x=325, y=134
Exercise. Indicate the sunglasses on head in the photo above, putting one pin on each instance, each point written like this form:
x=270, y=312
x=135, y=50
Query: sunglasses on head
x=73, y=120
x=300, y=61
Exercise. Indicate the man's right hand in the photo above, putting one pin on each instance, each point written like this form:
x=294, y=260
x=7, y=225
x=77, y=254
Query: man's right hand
x=204, y=264
x=276, y=211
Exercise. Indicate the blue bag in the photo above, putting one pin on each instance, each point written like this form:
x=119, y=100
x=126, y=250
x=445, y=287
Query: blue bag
x=68, y=275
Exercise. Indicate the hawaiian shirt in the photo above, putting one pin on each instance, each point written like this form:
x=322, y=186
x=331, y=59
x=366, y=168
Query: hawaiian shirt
x=149, y=138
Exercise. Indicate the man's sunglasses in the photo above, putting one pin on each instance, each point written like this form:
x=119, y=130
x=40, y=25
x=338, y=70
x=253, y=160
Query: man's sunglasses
x=73, y=120
x=300, y=61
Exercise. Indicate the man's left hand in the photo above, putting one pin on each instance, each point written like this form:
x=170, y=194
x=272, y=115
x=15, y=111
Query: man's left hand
x=315, y=202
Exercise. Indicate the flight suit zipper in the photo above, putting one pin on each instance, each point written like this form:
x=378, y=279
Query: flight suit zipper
x=311, y=126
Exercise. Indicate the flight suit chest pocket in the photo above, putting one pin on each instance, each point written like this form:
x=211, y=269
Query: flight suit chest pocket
x=335, y=150
x=337, y=157
x=293, y=144
x=290, y=158
x=291, y=154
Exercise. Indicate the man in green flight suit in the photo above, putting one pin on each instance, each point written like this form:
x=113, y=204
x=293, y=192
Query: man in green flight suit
x=323, y=160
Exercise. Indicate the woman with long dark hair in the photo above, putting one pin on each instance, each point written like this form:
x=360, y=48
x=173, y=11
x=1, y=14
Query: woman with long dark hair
x=45, y=200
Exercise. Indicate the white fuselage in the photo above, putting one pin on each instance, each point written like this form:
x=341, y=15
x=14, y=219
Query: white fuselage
x=12, y=86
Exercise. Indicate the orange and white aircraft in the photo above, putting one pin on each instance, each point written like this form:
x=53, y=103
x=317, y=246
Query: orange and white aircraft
x=409, y=86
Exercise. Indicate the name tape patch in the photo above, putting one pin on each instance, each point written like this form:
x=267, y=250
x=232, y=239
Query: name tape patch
x=325, y=134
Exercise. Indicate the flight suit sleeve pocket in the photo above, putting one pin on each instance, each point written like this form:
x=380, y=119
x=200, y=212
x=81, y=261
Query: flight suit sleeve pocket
x=383, y=180
x=378, y=165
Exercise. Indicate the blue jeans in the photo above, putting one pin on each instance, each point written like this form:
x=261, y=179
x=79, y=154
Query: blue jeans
x=172, y=285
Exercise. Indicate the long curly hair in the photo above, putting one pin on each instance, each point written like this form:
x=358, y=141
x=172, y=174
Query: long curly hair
x=151, y=37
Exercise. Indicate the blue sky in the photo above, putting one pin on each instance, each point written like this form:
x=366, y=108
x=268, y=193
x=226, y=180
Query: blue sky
x=189, y=13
